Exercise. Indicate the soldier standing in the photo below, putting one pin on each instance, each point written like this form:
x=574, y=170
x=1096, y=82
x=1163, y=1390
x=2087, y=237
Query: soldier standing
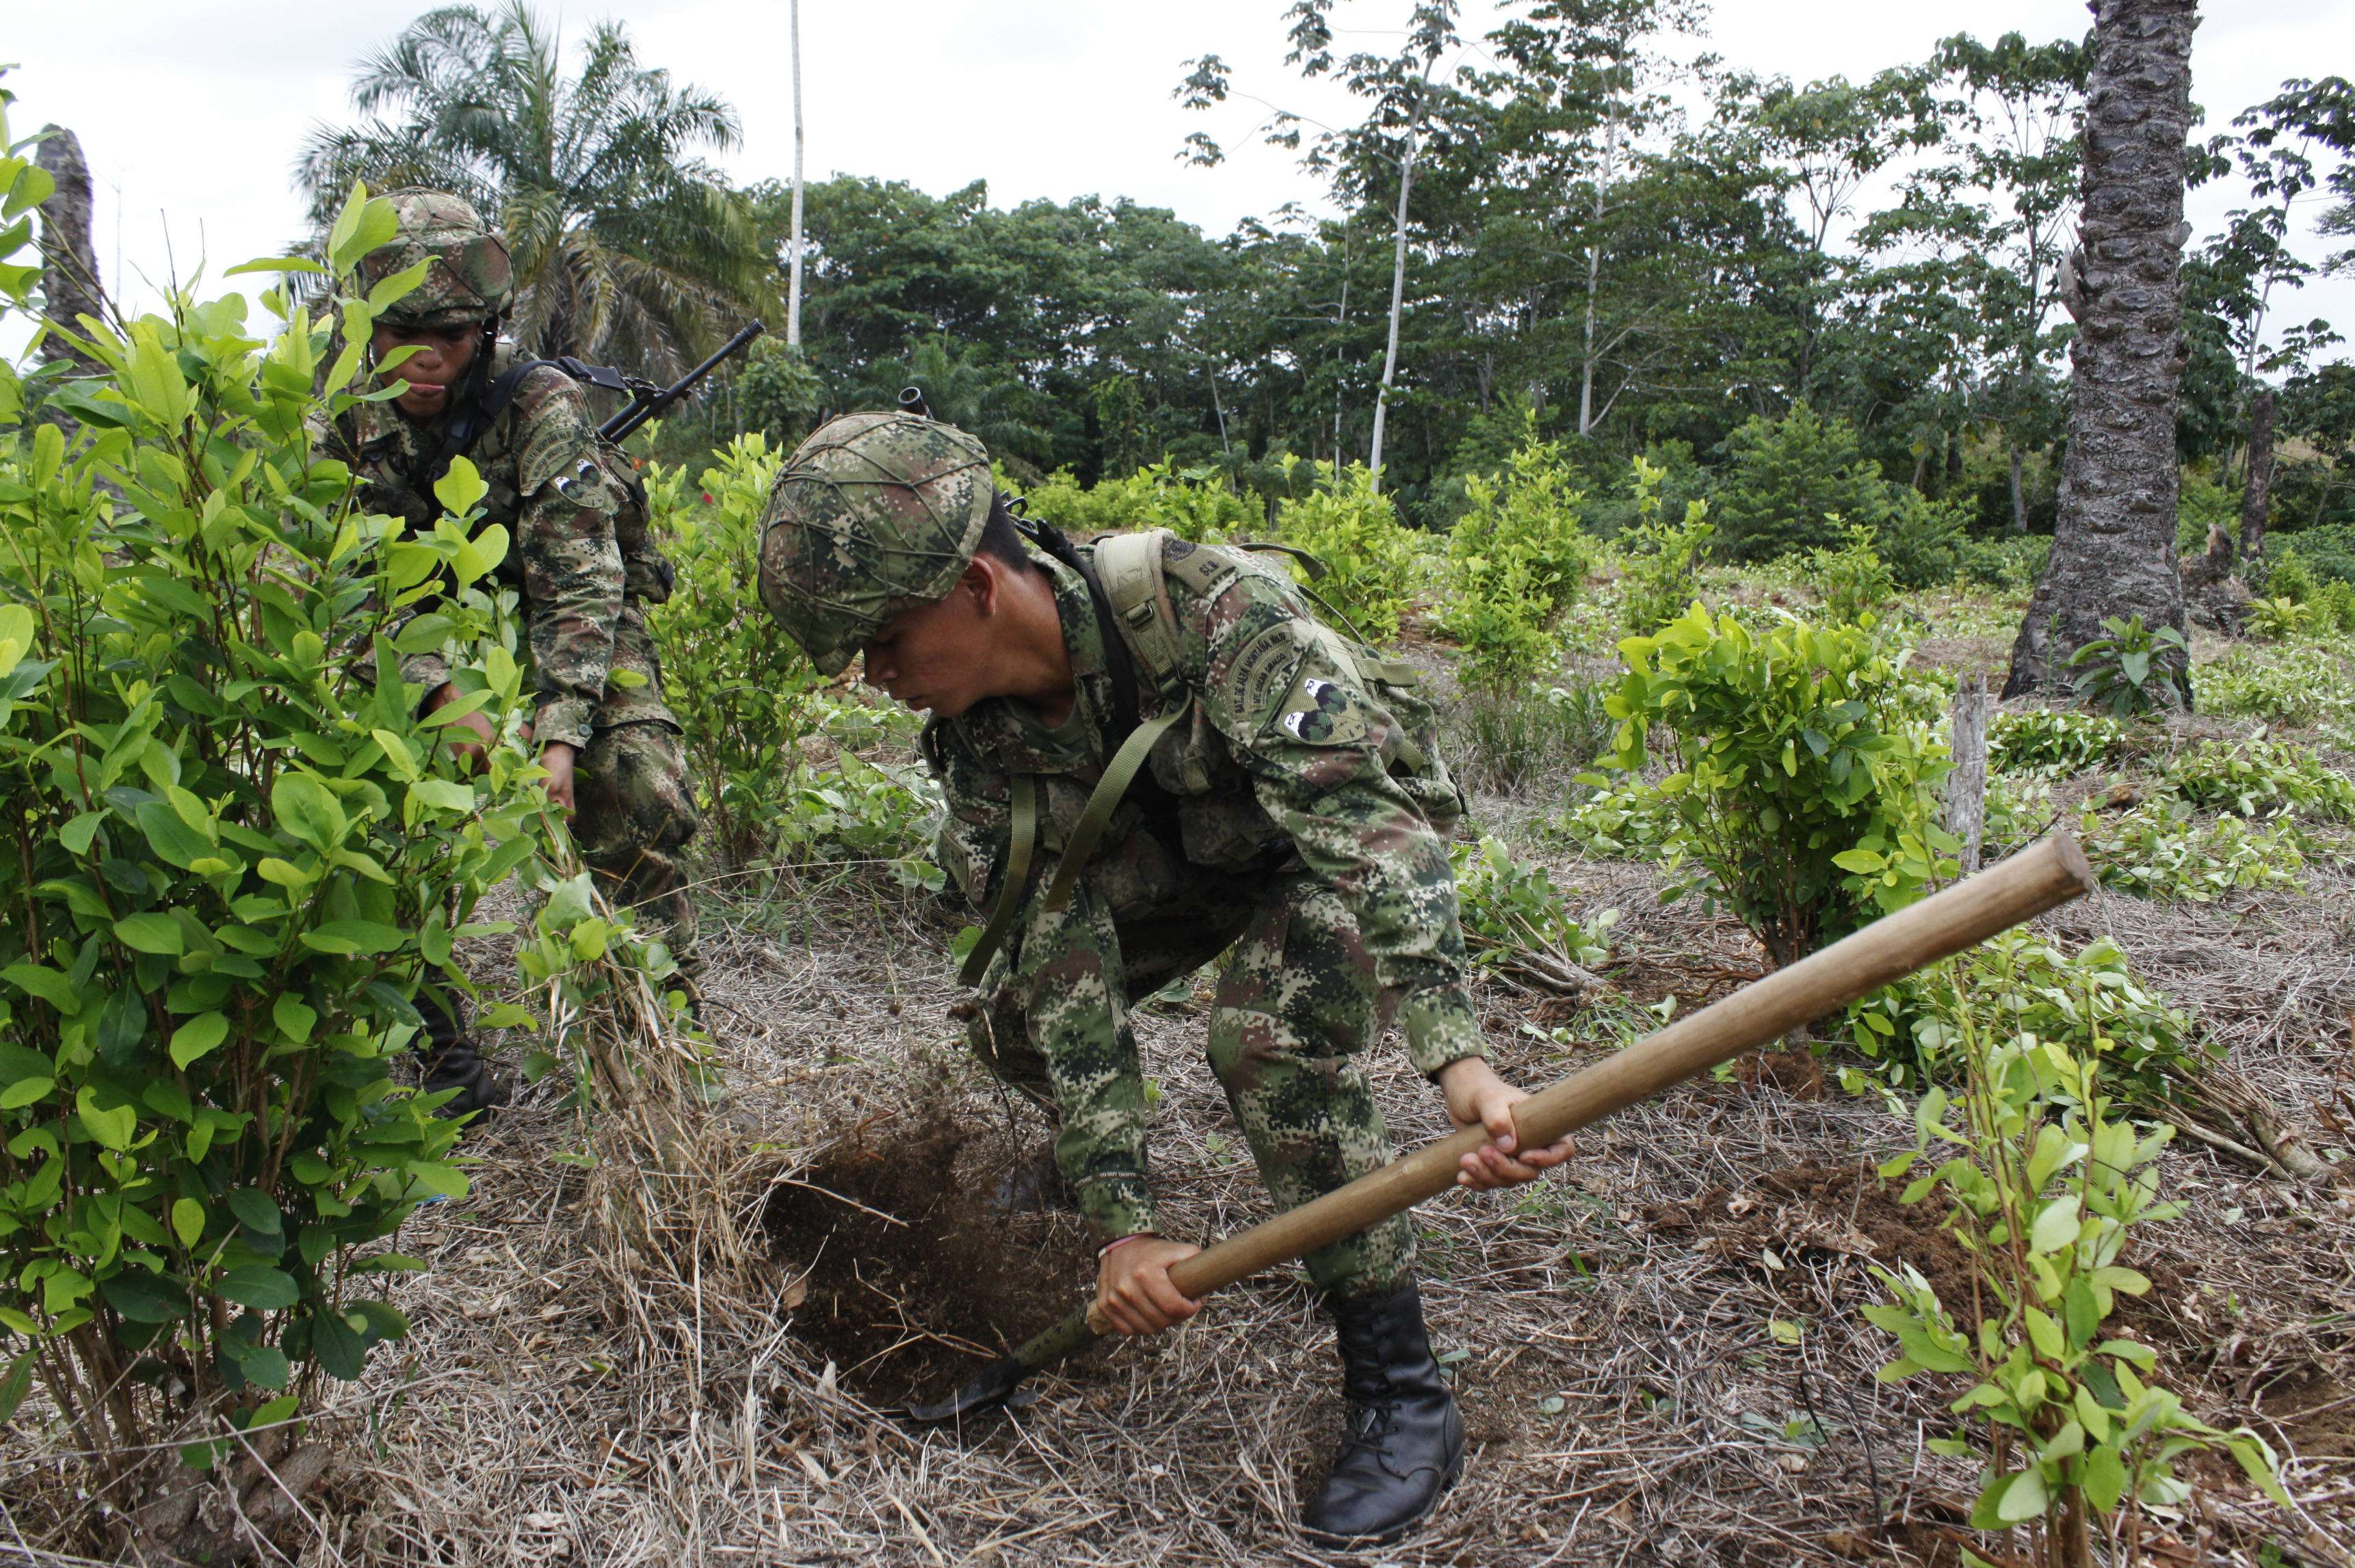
x=1288, y=809
x=579, y=559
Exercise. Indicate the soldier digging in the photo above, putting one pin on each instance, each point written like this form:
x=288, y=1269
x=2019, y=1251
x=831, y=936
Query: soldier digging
x=1155, y=754
x=579, y=560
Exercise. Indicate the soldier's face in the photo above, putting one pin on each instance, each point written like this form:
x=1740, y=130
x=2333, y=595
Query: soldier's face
x=443, y=358
x=936, y=656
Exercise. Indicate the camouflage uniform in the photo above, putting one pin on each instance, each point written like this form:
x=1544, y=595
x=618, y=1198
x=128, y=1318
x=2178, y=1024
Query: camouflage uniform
x=1277, y=832
x=579, y=560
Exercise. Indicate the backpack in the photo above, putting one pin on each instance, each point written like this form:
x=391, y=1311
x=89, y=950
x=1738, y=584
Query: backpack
x=1138, y=626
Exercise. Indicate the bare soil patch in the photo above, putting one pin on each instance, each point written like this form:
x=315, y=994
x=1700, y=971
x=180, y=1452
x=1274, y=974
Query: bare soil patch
x=910, y=1278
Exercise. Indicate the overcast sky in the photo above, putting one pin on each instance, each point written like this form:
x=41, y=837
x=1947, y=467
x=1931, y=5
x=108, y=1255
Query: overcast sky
x=191, y=110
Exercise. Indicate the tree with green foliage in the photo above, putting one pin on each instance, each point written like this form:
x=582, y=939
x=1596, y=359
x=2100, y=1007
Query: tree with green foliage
x=626, y=245
x=1792, y=484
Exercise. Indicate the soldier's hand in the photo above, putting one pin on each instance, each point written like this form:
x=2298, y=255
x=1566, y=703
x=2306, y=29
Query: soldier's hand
x=1133, y=1284
x=468, y=735
x=1477, y=1097
x=557, y=758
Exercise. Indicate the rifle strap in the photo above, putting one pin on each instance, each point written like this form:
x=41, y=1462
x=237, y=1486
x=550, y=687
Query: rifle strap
x=467, y=427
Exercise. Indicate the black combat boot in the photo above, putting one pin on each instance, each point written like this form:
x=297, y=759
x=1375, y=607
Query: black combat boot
x=1405, y=1445
x=450, y=1062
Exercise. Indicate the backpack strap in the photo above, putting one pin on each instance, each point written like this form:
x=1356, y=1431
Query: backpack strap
x=1023, y=843
x=1129, y=566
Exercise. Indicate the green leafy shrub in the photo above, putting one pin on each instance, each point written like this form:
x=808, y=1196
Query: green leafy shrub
x=2200, y=504
x=1515, y=561
x=741, y=691
x=2273, y=619
x=2333, y=604
x=2134, y=670
x=1354, y=529
x=2054, y=742
x=1851, y=582
x=2287, y=576
x=2046, y=1185
x=1503, y=739
x=2261, y=779
x=1193, y=503
x=2160, y=849
x=1921, y=540
x=1660, y=561
x=2086, y=1002
x=2014, y=561
x=2297, y=686
x=1807, y=771
x=1627, y=821
x=1788, y=483
x=239, y=855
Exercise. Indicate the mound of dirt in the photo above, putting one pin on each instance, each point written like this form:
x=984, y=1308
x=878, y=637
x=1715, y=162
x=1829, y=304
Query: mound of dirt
x=914, y=1279
x=1813, y=1208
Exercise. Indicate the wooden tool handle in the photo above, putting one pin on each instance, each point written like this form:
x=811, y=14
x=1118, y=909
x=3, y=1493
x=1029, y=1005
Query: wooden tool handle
x=2043, y=876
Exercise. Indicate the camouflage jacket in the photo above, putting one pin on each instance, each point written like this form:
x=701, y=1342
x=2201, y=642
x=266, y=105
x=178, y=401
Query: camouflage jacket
x=570, y=556
x=1286, y=754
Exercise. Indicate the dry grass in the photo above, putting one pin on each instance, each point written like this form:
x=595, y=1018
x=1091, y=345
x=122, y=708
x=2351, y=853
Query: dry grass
x=566, y=1398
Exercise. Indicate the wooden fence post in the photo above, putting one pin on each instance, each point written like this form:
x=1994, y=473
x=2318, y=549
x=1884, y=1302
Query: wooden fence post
x=1967, y=785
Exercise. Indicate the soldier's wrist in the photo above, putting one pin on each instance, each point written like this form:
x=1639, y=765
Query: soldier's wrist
x=1441, y=1029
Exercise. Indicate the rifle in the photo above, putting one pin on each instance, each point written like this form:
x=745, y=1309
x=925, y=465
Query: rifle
x=648, y=400
x=912, y=402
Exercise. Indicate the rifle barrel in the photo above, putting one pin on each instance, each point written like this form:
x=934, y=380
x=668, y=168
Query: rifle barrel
x=622, y=425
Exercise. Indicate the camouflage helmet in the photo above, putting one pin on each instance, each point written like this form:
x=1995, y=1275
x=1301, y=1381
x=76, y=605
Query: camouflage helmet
x=874, y=514
x=470, y=279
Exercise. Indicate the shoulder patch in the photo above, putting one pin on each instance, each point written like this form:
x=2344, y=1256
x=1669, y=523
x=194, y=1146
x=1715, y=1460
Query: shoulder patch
x=1201, y=568
x=1256, y=679
x=1321, y=712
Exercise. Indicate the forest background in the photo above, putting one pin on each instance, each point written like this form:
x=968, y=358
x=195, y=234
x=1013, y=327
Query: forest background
x=1753, y=233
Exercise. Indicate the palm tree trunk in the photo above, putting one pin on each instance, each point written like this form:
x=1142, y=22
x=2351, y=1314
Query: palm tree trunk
x=793, y=287
x=70, y=283
x=2113, y=544
x=2261, y=475
x=1398, y=272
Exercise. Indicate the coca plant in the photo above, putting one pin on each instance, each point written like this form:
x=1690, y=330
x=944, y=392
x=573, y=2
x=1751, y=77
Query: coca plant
x=235, y=854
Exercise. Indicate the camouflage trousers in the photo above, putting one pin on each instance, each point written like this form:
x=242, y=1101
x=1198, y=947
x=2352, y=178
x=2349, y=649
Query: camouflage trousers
x=633, y=816
x=1295, y=1008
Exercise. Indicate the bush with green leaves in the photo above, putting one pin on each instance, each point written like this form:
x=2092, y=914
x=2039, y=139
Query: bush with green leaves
x=2013, y=562
x=2053, y=742
x=1852, y=582
x=2275, y=619
x=1660, y=561
x=1807, y=771
x=2045, y=1185
x=2200, y=504
x=2162, y=849
x=741, y=691
x=1788, y=483
x=2287, y=576
x=1922, y=540
x=2333, y=604
x=2300, y=686
x=1516, y=560
x=2085, y=1001
x=1195, y=503
x=1354, y=529
x=2261, y=778
x=2132, y=669
x=239, y=854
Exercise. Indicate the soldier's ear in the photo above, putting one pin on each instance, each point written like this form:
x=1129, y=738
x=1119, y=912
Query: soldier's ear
x=983, y=578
